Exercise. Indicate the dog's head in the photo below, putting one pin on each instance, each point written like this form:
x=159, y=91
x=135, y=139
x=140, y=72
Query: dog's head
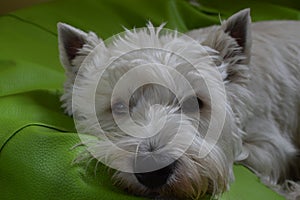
x=159, y=103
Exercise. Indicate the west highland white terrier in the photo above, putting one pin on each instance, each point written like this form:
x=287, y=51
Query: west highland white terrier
x=171, y=113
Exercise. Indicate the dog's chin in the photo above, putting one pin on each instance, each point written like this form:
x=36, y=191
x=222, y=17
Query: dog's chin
x=192, y=178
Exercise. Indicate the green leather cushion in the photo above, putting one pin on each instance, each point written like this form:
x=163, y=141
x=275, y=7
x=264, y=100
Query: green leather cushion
x=36, y=138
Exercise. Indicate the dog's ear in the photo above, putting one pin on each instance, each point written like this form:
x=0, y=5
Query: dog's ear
x=238, y=27
x=233, y=39
x=71, y=42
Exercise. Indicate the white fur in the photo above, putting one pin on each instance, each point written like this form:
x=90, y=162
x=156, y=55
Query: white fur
x=261, y=127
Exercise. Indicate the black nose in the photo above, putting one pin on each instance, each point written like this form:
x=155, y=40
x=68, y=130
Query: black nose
x=157, y=178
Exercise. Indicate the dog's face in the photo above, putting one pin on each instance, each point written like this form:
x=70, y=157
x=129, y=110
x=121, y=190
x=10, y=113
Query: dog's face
x=157, y=103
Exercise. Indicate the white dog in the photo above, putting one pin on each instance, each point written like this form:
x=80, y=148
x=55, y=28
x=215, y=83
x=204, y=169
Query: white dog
x=172, y=114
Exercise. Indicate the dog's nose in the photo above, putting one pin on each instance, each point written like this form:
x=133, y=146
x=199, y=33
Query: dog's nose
x=157, y=178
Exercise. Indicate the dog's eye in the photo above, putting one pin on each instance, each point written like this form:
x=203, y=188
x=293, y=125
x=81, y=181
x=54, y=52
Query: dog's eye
x=191, y=104
x=119, y=108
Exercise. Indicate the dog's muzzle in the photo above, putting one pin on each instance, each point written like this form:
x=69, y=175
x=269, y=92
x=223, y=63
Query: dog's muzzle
x=156, y=179
x=153, y=170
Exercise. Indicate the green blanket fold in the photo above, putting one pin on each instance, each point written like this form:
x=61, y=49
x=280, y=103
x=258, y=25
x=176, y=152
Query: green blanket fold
x=36, y=137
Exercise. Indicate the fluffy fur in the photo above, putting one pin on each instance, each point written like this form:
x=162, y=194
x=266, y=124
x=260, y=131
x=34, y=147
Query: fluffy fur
x=248, y=71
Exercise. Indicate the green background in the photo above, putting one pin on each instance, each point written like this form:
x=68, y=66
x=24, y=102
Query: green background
x=36, y=138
